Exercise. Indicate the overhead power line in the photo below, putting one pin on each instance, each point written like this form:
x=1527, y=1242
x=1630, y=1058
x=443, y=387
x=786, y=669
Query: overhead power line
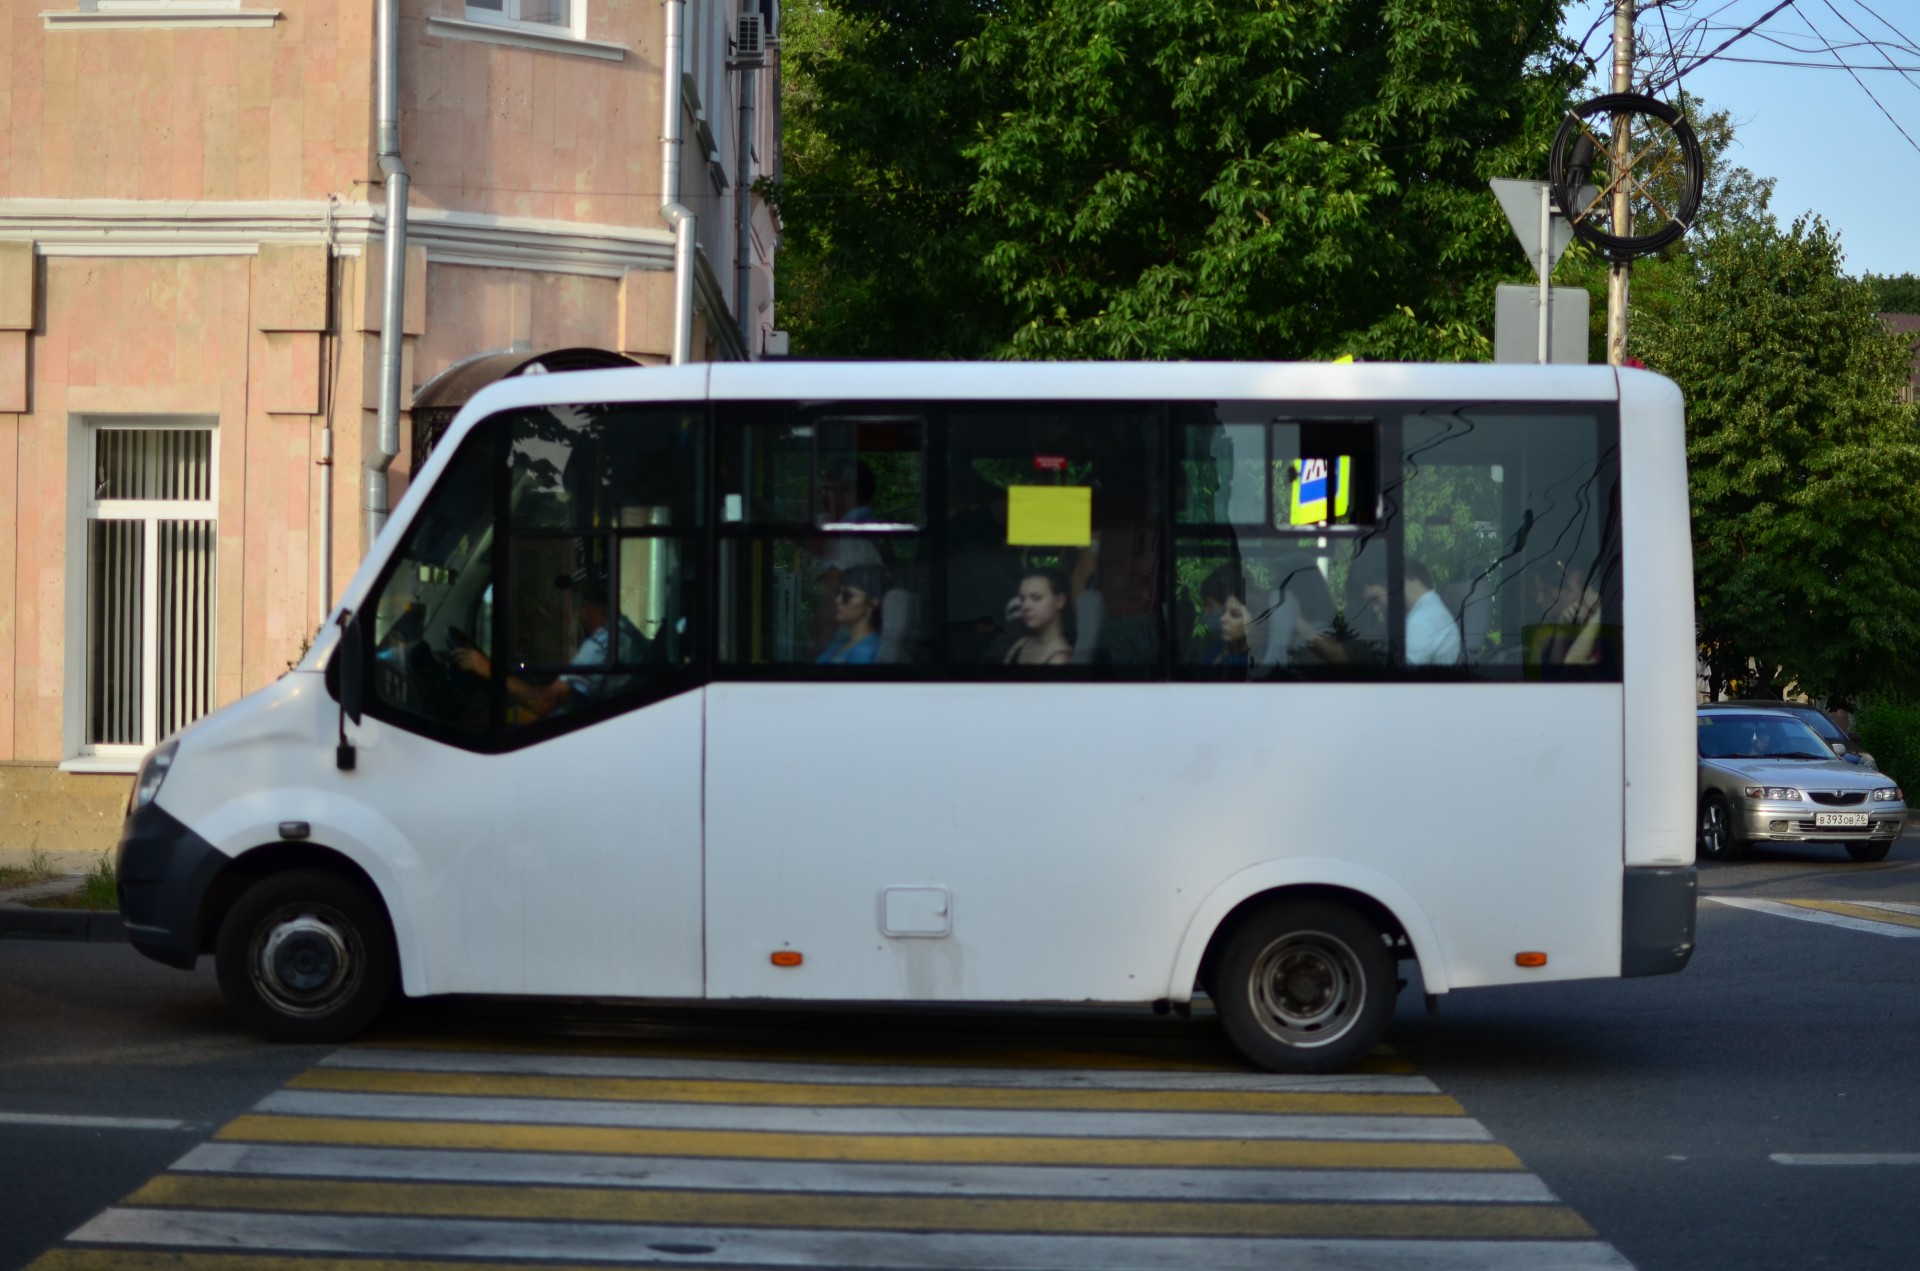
x=1856, y=76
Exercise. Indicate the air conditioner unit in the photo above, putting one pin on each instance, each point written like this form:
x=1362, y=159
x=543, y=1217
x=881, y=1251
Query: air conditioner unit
x=750, y=40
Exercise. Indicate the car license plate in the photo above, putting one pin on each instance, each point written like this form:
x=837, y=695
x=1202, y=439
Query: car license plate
x=1839, y=820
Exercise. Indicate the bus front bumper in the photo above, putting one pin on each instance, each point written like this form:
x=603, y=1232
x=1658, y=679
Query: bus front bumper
x=1656, y=919
x=164, y=870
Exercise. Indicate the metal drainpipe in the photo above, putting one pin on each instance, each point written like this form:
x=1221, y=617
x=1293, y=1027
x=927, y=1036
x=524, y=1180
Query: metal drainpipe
x=672, y=65
x=393, y=292
x=743, y=207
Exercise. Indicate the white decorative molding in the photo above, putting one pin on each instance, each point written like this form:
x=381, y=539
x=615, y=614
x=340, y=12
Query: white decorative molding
x=147, y=19
x=130, y=227
x=523, y=38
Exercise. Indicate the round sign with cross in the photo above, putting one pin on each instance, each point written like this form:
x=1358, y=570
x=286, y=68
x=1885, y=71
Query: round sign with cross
x=1634, y=193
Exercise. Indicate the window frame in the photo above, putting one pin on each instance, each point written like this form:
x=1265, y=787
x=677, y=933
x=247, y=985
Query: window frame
x=83, y=509
x=507, y=18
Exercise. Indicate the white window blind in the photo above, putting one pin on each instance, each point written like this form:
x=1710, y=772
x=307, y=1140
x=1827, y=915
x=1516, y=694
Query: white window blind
x=149, y=584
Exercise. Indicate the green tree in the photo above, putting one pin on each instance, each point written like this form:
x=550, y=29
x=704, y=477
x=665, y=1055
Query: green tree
x=1805, y=464
x=1159, y=178
x=1893, y=293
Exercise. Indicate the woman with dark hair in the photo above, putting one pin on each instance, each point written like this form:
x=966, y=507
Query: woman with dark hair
x=1230, y=645
x=856, y=614
x=1043, y=599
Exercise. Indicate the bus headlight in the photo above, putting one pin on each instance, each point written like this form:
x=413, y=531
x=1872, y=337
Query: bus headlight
x=1782, y=793
x=153, y=772
x=1887, y=795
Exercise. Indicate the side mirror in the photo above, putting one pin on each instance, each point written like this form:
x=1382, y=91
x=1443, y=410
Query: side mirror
x=1839, y=747
x=353, y=668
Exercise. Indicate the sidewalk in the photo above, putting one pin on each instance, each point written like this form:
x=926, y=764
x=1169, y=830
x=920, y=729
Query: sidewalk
x=18, y=921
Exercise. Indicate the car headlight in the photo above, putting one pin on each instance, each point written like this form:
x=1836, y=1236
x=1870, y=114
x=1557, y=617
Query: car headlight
x=1787, y=793
x=1887, y=795
x=153, y=772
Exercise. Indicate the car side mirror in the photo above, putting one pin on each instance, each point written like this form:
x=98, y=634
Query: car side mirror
x=351, y=657
x=1839, y=748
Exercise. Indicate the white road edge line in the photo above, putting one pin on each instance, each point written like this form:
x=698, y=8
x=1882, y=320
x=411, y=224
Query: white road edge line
x=92, y=1123
x=1817, y=915
x=1845, y=1158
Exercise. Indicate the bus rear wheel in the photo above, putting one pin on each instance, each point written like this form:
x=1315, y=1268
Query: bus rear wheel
x=306, y=956
x=1305, y=986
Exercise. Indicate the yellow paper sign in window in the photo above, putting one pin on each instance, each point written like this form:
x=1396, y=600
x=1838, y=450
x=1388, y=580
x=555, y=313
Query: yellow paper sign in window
x=1320, y=488
x=1049, y=516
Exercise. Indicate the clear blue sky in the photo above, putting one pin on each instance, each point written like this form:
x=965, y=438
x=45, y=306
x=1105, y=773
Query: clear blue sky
x=1816, y=132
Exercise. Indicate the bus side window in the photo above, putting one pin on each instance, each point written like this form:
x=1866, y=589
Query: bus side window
x=1054, y=536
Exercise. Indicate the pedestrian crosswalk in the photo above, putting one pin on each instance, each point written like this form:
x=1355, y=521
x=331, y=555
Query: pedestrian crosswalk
x=454, y=1154
x=1876, y=917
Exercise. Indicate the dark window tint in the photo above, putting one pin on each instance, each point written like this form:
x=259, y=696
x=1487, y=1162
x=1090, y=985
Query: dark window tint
x=436, y=601
x=1054, y=521
x=1511, y=543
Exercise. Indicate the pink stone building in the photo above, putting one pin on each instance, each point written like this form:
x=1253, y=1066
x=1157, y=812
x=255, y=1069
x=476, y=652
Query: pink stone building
x=192, y=224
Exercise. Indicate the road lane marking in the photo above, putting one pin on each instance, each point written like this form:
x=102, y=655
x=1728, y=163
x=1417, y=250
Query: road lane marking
x=953, y=1149
x=724, y=1174
x=1891, y=906
x=867, y=1095
x=591, y=1065
x=1813, y=911
x=915, y=1121
x=92, y=1123
x=583, y=1243
x=1854, y=909
x=1846, y=1158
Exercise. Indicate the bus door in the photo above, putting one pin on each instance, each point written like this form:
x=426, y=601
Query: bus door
x=537, y=697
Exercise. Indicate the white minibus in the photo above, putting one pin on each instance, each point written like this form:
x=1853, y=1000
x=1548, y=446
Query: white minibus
x=941, y=683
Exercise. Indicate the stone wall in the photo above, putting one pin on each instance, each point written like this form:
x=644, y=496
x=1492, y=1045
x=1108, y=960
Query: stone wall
x=72, y=817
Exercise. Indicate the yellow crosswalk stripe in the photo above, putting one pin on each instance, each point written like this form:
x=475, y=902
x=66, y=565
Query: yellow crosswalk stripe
x=809, y=1094
x=1868, y=913
x=941, y=1052
x=966, y=1149
x=813, y=1210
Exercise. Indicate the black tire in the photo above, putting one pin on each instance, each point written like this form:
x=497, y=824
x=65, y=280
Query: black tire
x=1868, y=850
x=306, y=956
x=1305, y=986
x=1714, y=837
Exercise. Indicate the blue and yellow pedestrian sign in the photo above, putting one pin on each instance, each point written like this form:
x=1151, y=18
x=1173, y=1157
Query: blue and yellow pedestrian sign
x=1320, y=485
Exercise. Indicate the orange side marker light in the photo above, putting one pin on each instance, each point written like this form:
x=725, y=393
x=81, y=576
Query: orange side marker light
x=787, y=957
x=1529, y=959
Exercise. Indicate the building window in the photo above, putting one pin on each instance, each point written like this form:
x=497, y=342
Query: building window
x=541, y=13
x=146, y=583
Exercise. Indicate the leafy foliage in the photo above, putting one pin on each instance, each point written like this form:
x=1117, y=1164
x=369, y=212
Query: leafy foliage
x=1158, y=178
x=1893, y=293
x=1805, y=464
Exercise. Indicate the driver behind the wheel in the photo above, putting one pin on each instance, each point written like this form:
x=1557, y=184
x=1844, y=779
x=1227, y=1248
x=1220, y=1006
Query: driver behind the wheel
x=606, y=632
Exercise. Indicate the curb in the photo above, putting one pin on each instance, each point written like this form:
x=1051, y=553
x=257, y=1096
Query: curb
x=60, y=924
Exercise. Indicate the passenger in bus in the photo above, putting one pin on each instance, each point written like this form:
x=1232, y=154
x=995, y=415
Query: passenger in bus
x=1569, y=627
x=604, y=633
x=1433, y=636
x=1225, y=589
x=1044, y=607
x=857, y=617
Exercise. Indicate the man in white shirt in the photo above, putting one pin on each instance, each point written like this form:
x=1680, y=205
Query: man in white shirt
x=1433, y=637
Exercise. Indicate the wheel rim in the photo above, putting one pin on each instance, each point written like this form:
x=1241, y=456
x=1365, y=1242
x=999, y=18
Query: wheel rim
x=306, y=959
x=1713, y=829
x=1308, y=989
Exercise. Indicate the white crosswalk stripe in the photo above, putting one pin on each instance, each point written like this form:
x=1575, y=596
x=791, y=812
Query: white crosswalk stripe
x=585, y=1154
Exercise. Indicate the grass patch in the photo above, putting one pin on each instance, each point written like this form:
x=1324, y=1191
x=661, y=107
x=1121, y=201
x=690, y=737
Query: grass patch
x=38, y=869
x=98, y=890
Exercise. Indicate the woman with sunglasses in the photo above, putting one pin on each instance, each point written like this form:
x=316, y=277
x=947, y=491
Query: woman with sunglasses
x=856, y=614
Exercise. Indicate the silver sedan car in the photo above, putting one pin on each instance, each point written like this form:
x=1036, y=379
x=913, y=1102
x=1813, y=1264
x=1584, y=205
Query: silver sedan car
x=1765, y=777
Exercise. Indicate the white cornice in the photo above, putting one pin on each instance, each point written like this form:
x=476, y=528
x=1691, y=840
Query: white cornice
x=147, y=19
x=520, y=37
x=117, y=227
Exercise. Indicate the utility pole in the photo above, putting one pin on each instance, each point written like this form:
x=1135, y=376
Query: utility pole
x=1622, y=182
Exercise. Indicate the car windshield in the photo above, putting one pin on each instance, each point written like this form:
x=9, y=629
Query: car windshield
x=1727, y=736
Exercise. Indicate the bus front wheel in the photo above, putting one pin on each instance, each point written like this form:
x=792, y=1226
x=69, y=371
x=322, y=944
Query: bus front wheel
x=306, y=956
x=1305, y=986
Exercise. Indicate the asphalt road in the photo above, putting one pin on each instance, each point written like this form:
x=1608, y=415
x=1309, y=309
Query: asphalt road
x=1654, y=1108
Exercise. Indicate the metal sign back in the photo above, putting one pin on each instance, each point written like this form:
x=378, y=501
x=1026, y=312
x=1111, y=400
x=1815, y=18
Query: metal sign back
x=1520, y=200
